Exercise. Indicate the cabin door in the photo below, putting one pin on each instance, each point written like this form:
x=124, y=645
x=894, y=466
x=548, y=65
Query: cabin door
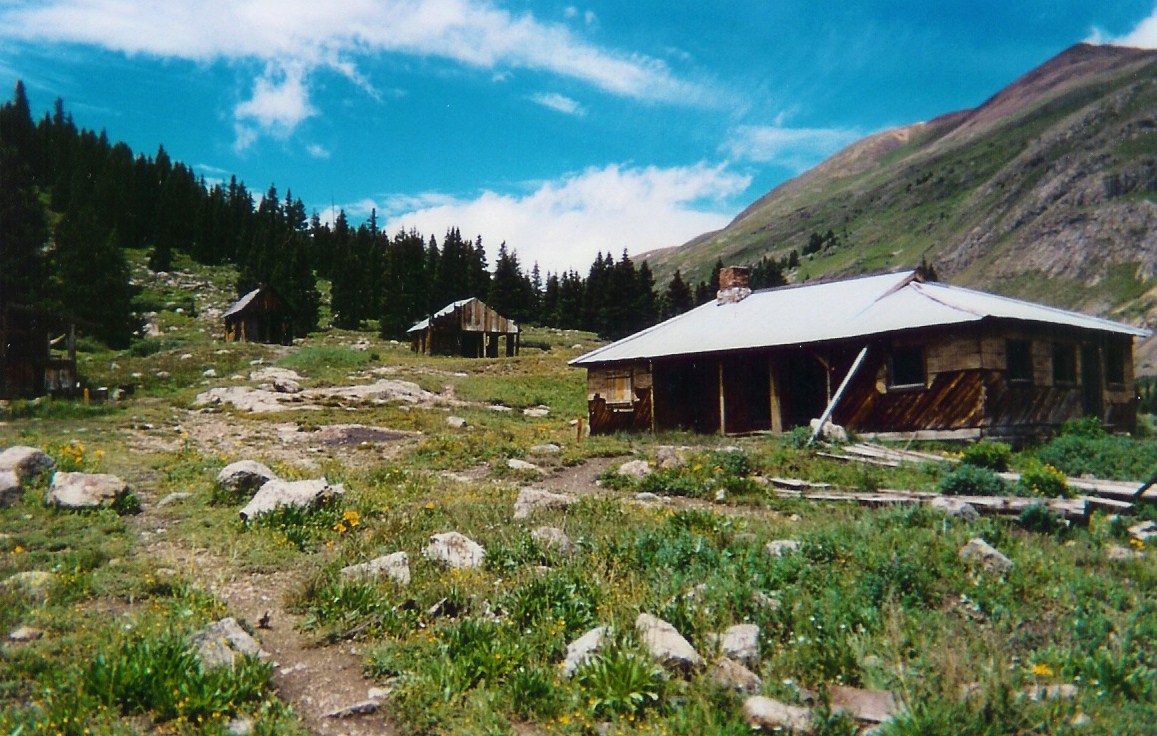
x=804, y=389
x=1092, y=382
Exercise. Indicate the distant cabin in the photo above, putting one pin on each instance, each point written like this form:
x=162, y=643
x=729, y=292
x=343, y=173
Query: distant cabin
x=259, y=316
x=890, y=353
x=466, y=328
x=37, y=353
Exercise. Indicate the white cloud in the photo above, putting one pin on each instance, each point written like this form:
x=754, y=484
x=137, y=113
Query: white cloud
x=559, y=103
x=1143, y=36
x=795, y=148
x=563, y=224
x=317, y=151
x=294, y=38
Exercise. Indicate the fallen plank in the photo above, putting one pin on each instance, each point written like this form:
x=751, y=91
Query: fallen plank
x=867, y=460
x=1068, y=508
x=796, y=483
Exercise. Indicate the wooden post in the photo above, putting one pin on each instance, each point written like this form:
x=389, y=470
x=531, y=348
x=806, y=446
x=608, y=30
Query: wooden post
x=839, y=392
x=776, y=407
x=722, y=402
x=579, y=437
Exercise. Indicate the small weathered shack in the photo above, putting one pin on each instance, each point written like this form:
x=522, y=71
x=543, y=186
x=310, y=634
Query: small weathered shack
x=920, y=358
x=37, y=353
x=466, y=328
x=259, y=316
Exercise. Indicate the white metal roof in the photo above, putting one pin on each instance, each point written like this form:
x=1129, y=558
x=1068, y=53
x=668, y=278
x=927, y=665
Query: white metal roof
x=448, y=309
x=858, y=307
x=242, y=303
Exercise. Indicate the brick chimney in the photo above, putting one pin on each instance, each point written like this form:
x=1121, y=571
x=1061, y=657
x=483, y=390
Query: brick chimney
x=734, y=284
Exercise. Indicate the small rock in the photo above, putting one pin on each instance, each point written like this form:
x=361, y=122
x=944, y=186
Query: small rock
x=1117, y=553
x=981, y=551
x=537, y=412
x=209, y=373
x=173, y=498
x=766, y=713
x=781, y=547
x=1065, y=691
x=286, y=386
x=647, y=497
x=25, y=634
x=582, y=649
x=740, y=642
x=547, y=448
x=1144, y=531
x=635, y=469
x=357, y=709
x=666, y=644
x=455, y=550
x=395, y=566
x=456, y=422
x=873, y=706
x=244, y=476
x=1080, y=720
x=298, y=494
x=222, y=642
x=552, y=538
x=26, y=462
x=731, y=675
x=84, y=490
x=9, y=488
x=669, y=456
x=240, y=726
x=955, y=508
x=763, y=600
x=499, y=408
x=530, y=500
x=33, y=583
x=523, y=466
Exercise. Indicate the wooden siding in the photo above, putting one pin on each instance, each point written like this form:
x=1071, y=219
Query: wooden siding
x=470, y=329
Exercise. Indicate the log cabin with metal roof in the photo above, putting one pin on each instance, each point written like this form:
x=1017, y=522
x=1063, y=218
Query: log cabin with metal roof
x=889, y=354
x=466, y=328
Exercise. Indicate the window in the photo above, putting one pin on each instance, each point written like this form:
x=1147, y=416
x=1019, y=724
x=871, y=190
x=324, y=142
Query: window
x=1115, y=363
x=1019, y=355
x=1064, y=363
x=620, y=390
x=906, y=367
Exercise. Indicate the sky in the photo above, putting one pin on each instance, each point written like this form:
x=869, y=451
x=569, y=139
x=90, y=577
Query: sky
x=562, y=129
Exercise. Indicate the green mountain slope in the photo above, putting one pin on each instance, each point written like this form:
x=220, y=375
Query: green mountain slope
x=1047, y=191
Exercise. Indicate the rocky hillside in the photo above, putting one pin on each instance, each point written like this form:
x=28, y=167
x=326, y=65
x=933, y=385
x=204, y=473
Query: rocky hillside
x=1047, y=191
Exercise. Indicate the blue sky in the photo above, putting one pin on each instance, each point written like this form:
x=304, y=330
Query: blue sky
x=561, y=128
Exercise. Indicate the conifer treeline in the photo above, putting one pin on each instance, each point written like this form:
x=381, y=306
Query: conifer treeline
x=103, y=198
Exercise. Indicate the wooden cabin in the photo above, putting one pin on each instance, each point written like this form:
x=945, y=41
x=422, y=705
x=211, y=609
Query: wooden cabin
x=259, y=316
x=466, y=328
x=37, y=353
x=912, y=357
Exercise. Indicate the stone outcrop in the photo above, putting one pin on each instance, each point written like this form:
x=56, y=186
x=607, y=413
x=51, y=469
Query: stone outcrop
x=530, y=500
x=394, y=566
x=770, y=715
x=553, y=538
x=731, y=675
x=582, y=649
x=223, y=643
x=455, y=550
x=26, y=462
x=85, y=490
x=665, y=644
x=981, y=552
x=244, y=476
x=275, y=494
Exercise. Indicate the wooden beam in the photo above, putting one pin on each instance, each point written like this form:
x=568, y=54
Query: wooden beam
x=839, y=393
x=722, y=403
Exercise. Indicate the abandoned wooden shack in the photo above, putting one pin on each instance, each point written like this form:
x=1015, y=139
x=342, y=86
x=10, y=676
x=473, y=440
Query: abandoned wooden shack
x=466, y=328
x=259, y=316
x=889, y=353
x=37, y=353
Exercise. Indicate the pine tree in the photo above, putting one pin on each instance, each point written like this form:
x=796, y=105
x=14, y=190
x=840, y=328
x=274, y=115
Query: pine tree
x=90, y=279
x=677, y=298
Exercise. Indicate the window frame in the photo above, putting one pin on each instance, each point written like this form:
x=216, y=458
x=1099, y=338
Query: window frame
x=1069, y=351
x=909, y=349
x=1113, y=355
x=1019, y=372
x=622, y=389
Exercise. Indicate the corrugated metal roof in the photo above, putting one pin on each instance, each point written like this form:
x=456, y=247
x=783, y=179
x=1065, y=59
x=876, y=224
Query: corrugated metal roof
x=241, y=303
x=448, y=309
x=798, y=315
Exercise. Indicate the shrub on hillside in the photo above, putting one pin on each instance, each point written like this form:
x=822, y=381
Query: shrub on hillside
x=1104, y=456
x=1043, y=480
x=970, y=480
x=987, y=454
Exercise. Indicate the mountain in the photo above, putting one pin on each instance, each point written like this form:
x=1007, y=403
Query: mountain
x=1047, y=191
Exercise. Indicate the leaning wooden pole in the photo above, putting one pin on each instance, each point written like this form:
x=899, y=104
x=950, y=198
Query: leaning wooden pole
x=839, y=393
x=1148, y=484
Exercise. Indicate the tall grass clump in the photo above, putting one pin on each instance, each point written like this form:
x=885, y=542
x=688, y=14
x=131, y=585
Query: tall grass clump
x=971, y=480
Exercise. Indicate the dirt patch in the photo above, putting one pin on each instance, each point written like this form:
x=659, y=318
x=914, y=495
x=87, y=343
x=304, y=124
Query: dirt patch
x=358, y=434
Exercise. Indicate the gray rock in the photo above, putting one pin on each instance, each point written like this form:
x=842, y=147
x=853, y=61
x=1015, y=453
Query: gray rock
x=26, y=462
x=740, y=642
x=547, y=448
x=781, y=547
x=240, y=726
x=244, y=476
x=955, y=508
x=648, y=497
x=85, y=490
x=455, y=550
x=537, y=412
x=521, y=465
x=25, y=634
x=222, y=643
x=635, y=469
x=665, y=644
x=873, y=706
x=173, y=498
x=365, y=707
x=582, y=649
x=553, y=538
x=9, y=488
x=670, y=456
x=1064, y=691
x=530, y=500
x=275, y=494
x=1118, y=553
x=980, y=551
x=731, y=675
x=395, y=566
x=768, y=714
x=500, y=408
x=456, y=422
x=1143, y=531
x=32, y=584
x=831, y=432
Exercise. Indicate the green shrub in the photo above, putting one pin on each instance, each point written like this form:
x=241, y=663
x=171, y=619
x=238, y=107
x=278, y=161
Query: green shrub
x=970, y=480
x=1043, y=480
x=621, y=683
x=987, y=454
x=1040, y=519
x=1087, y=427
x=533, y=692
x=1105, y=456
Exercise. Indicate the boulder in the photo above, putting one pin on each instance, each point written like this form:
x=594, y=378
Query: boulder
x=286, y=386
x=830, y=433
x=537, y=412
x=455, y=550
x=635, y=469
x=582, y=649
x=530, y=500
x=873, y=706
x=955, y=508
x=670, y=456
x=26, y=462
x=980, y=551
x=222, y=643
x=768, y=714
x=523, y=466
x=298, y=494
x=9, y=488
x=32, y=584
x=547, y=448
x=455, y=422
x=395, y=566
x=740, y=642
x=85, y=490
x=24, y=634
x=553, y=538
x=731, y=675
x=1064, y=691
x=1118, y=553
x=665, y=644
x=781, y=547
x=244, y=476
